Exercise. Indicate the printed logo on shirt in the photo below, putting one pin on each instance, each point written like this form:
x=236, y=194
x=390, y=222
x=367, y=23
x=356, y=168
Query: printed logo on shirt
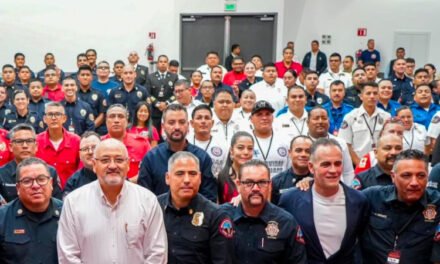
x=282, y=151
x=216, y=151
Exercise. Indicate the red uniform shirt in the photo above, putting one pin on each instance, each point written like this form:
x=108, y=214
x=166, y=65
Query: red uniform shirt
x=233, y=78
x=56, y=95
x=5, y=152
x=194, y=91
x=143, y=132
x=137, y=147
x=281, y=68
x=65, y=159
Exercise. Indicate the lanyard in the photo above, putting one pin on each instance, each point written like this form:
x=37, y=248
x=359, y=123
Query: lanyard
x=297, y=128
x=371, y=131
x=261, y=150
x=207, y=146
x=412, y=139
x=404, y=227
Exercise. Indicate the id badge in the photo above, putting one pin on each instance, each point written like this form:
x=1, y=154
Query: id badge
x=71, y=128
x=393, y=257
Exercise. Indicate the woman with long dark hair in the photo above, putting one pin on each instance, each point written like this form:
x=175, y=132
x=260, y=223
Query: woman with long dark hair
x=241, y=150
x=143, y=124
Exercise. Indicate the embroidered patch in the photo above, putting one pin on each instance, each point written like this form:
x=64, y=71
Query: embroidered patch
x=430, y=213
x=344, y=125
x=226, y=228
x=197, y=219
x=282, y=151
x=300, y=236
x=216, y=151
x=272, y=229
x=356, y=184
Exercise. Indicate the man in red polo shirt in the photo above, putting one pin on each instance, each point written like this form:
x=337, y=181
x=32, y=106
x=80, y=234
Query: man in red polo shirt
x=236, y=75
x=52, y=90
x=58, y=147
x=5, y=152
x=287, y=63
x=137, y=146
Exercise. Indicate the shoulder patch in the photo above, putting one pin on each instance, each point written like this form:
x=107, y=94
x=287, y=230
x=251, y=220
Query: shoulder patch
x=437, y=233
x=300, y=236
x=356, y=184
x=344, y=125
x=226, y=229
x=436, y=119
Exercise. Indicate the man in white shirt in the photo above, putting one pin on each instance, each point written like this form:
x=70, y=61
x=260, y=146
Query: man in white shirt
x=361, y=127
x=216, y=147
x=111, y=220
x=332, y=74
x=224, y=126
x=294, y=122
x=270, y=147
x=212, y=59
x=271, y=88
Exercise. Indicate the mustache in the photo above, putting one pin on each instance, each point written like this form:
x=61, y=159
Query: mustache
x=256, y=194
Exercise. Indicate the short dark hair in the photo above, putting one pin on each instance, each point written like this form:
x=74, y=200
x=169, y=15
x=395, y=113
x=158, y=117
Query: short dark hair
x=269, y=64
x=174, y=108
x=400, y=48
x=7, y=66
x=84, y=68
x=257, y=56
x=369, y=63
x=24, y=67
x=253, y=163
x=199, y=108
x=118, y=62
x=237, y=58
x=357, y=69
x=325, y=142
x=383, y=80
x=405, y=107
x=299, y=137
x=68, y=78
x=295, y=87
x=336, y=83
x=370, y=84
x=35, y=80
x=30, y=161
x=220, y=91
x=234, y=46
x=182, y=82
x=411, y=154
x=293, y=72
x=350, y=57
x=317, y=107
x=410, y=60
x=419, y=70
x=19, y=54
x=49, y=54
x=310, y=72
x=287, y=48
x=80, y=55
x=315, y=41
x=174, y=63
x=335, y=54
x=213, y=53
x=91, y=50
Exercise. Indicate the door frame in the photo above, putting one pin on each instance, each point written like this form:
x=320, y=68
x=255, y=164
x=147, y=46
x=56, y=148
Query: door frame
x=195, y=15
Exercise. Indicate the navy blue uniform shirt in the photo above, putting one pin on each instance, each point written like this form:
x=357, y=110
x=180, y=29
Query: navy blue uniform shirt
x=129, y=99
x=81, y=177
x=26, y=237
x=416, y=227
x=199, y=233
x=79, y=117
x=371, y=177
x=154, y=166
x=272, y=237
x=284, y=181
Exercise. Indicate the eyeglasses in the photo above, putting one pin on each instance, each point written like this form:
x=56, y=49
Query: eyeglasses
x=28, y=141
x=40, y=180
x=107, y=161
x=251, y=184
x=52, y=115
x=88, y=149
x=103, y=68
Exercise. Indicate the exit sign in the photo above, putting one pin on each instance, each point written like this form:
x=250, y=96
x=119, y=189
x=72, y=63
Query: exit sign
x=231, y=7
x=362, y=32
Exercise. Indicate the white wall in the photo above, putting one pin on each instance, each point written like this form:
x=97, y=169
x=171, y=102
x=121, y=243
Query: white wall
x=341, y=18
x=112, y=27
x=115, y=27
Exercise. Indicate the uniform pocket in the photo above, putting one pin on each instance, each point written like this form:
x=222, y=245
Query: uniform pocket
x=271, y=245
x=133, y=234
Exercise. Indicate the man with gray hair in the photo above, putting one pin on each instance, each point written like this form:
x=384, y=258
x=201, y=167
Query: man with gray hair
x=111, y=220
x=23, y=145
x=198, y=232
x=343, y=208
x=28, y=225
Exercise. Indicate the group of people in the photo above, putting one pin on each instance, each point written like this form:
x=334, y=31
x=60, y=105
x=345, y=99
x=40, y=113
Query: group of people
x=285, y=162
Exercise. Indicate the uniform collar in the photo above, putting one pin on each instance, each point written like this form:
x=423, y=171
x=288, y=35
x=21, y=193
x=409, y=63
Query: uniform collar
x=121, y=194
x=66, y=142
x=291, y=115
x=190, y=209
x=50, y=212
x=362, y=111
x=186, y=148
x=266, y=214
x=89, y=174
x=378, y=172
x=218, y=121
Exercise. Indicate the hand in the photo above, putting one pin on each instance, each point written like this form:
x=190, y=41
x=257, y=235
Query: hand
x=304, y=184
x=236, y=200
x=2, y=201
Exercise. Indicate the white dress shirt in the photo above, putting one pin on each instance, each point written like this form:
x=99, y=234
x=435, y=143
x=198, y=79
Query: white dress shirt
x=291, y=125
x=275, y=94
x=326, y=78
x=93, y=231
